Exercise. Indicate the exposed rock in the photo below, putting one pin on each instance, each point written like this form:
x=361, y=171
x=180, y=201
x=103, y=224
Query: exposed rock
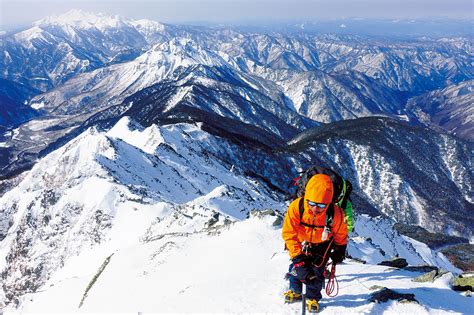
x=355, y=259
x=278, y=222
x=430, y=276
x=386, y=294
x=213, y=220
x=268, y=212
x=433, y=240
x=376, y=287
x=464, y=282
x=426, y=277
x=396, y=262
x=461, y=256
x=425, y=268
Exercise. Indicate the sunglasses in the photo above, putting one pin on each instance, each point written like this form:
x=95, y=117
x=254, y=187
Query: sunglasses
x=315, y=204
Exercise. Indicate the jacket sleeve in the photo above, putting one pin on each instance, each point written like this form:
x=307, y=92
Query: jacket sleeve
x=340, y=227
x=289, y=230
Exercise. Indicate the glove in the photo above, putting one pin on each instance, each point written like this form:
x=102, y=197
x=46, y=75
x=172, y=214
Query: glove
x=302, y=268
x=338, y=253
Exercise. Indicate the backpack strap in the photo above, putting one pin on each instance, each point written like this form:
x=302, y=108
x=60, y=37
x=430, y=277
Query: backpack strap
x=346, y=193
x=301, y=207
x=330, y=215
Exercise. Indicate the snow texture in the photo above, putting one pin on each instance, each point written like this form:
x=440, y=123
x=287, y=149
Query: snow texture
x=175, y=244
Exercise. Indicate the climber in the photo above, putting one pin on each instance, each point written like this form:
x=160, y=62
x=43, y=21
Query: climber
x=312, y=237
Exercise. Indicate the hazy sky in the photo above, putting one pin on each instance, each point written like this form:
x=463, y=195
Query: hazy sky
x=21, y=12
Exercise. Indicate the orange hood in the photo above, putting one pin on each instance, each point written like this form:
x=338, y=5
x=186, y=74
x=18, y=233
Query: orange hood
x=319, y=189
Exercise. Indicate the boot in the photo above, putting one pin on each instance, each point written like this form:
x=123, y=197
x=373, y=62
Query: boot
x=312, y=305
x=292, y=297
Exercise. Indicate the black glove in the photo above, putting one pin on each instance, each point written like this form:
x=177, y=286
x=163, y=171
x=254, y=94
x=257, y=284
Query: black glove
x=338, y=253
x=302, y=268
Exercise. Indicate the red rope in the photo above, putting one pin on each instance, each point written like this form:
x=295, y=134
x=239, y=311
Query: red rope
x=332, y=282
x=325, y=253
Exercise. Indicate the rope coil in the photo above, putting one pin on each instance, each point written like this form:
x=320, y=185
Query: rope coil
x=332, y=284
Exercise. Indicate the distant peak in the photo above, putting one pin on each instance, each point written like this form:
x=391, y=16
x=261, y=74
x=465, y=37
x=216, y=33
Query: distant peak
x=148, y=24
x=83, y=19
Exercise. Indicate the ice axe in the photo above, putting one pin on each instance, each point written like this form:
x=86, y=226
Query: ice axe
x=303, y=299
x=303, y=295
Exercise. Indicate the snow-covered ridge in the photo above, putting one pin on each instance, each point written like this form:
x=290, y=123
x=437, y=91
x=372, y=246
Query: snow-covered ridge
x=179, y=52
x=449, y=109
x=83, y=19
x=73, y=197
x=148, y=26
x=88, y=20
x=148, y=196
x=111, y=85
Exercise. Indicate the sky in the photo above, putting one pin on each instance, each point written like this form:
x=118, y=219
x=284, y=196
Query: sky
x=24, y=12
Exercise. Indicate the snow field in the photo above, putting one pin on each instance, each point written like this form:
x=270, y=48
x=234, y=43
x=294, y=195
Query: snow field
x=239, y=270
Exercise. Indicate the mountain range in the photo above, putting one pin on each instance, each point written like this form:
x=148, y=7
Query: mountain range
x=101, y=60
x=449, y=109
x=169, y=132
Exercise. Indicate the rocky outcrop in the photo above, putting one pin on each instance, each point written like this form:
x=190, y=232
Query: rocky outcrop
x=430, y=276
x=385, y=294
x=395, y=262
x=464, y=282
x=461, y=256
x=420, y=268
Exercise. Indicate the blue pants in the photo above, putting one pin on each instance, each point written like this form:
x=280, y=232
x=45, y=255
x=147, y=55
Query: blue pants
x=313, y=287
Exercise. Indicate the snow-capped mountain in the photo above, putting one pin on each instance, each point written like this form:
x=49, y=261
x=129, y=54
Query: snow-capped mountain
x=81, y=41
x=110, y=85
x=55, y=49
x=201, y=92
x=406, y=66
x=331, y=97
x=152, y=146
x=315, y=76
x=177, y=169
x=138, y=201
x=410, y=66
x=451, y=108
x=394, y=166
x=87, y=61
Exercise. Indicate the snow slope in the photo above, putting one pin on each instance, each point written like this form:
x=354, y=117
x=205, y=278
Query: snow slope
x=73, y=197
x=151, y=220
x=239, y=270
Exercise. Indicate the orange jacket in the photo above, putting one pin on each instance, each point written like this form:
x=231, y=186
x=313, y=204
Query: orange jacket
x=319, y=189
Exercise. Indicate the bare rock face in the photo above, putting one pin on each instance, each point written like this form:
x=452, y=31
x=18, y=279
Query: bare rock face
x=425, y=269
x=430, y=276
x=385, y=294
x=461, y=256
x=395, y=262
x=433, y=240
